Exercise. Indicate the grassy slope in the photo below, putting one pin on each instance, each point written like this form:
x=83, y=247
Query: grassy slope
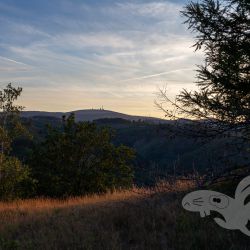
x=124, y=220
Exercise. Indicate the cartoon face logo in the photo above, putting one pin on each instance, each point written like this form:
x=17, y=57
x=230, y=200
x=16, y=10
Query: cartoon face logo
x=193, y=201
x=220, y=201
x=234, y=211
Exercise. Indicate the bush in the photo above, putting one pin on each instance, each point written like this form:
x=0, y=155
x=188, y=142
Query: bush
x=80, y=159
x=15, y=179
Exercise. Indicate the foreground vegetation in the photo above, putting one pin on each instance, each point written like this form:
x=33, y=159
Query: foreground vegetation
x=136, y=219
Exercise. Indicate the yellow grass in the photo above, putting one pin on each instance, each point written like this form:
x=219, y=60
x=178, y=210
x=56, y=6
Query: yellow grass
x=47, y=204
x=115, y=196
x=138, y=219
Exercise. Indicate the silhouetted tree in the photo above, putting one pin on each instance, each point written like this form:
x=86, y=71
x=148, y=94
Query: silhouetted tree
x=221, y=105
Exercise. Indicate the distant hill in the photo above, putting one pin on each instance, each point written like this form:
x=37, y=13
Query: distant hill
x=91, y=115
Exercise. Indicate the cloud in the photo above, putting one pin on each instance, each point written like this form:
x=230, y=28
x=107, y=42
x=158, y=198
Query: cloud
x=157, y=74
x=153, y=9
x=9, y=66
x=30, y=30
x=94, y=40
x=111, y=51
x=12, y=61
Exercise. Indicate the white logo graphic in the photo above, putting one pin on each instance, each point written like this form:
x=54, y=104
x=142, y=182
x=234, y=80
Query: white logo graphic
x=235, y=212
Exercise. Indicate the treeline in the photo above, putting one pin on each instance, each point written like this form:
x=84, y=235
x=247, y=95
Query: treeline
x=75, y=159
x=160, y=150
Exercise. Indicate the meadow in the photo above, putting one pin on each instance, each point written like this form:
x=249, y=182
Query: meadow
x=142, y=219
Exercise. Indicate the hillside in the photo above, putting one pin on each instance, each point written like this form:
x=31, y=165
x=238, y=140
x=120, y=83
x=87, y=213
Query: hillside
x=91, y=114
x=158, y=152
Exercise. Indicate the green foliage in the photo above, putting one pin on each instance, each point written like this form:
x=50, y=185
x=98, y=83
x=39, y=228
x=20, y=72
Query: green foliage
x=16, y=181
x=10, y=125
x=80, y=159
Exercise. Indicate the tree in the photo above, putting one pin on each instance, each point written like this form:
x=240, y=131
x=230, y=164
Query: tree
x=15, y=179
x=222, y=102
x=80, y=159
x=10, y=125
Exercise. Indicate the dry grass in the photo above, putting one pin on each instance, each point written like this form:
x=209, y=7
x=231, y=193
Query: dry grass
x=137, y=219
x=48, y=204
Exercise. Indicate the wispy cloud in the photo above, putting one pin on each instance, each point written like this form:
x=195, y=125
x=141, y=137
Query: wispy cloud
x=158, y=74
x=93, y=40
x=154, y=9
x=12, y=61
x=104, y=48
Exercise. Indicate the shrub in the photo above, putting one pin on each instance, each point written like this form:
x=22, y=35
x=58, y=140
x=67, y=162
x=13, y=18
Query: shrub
x=15, y=179
x=80, y=159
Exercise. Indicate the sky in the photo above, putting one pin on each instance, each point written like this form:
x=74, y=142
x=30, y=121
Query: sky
x=80, y=54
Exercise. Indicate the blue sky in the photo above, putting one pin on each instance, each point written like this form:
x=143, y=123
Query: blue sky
x=77, y=54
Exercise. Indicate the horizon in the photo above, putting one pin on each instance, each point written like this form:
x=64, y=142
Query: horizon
x=94, y=109
x=70, y=55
